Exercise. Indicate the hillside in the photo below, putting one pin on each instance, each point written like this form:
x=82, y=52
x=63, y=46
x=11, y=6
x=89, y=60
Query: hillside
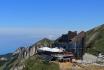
x=24, y=58
x=44, y=42
x=33, y=62
x=25, y=55
x=4, y=58
x=36, y=63
x=95, y=40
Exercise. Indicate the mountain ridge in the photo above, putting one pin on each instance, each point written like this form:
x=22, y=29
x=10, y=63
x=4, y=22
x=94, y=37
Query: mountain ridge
x=94, y=40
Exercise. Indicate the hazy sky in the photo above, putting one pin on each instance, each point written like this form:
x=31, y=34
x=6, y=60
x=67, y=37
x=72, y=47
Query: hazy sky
x=23, y=22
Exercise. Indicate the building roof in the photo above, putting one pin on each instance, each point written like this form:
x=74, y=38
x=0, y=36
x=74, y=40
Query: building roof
x=50, y=49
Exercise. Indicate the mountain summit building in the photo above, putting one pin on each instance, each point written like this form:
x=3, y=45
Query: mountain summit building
x=66, y=47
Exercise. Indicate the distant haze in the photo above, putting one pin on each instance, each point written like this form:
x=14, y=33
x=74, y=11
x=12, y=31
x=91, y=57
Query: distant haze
x=23, y=22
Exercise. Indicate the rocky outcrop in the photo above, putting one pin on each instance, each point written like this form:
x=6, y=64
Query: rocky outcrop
x=17, y=60
x=25, y=52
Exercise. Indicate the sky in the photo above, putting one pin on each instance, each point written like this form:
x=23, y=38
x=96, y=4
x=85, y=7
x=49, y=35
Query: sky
x=23, y=22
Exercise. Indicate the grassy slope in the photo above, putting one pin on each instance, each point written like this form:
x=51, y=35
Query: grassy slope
x=0, y=67
x=29, y=63
x=45, y=42
x=35, y=63
x=97, y=44
x=1, y=64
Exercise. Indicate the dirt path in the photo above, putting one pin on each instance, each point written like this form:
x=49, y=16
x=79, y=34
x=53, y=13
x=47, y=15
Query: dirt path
x=69, y=66
x=65, y=66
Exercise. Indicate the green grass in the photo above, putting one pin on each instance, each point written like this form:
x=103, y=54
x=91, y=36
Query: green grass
x=35, y=63
x=97, y=44
x=1, y=64
x=45, y=42
x=1, y=68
